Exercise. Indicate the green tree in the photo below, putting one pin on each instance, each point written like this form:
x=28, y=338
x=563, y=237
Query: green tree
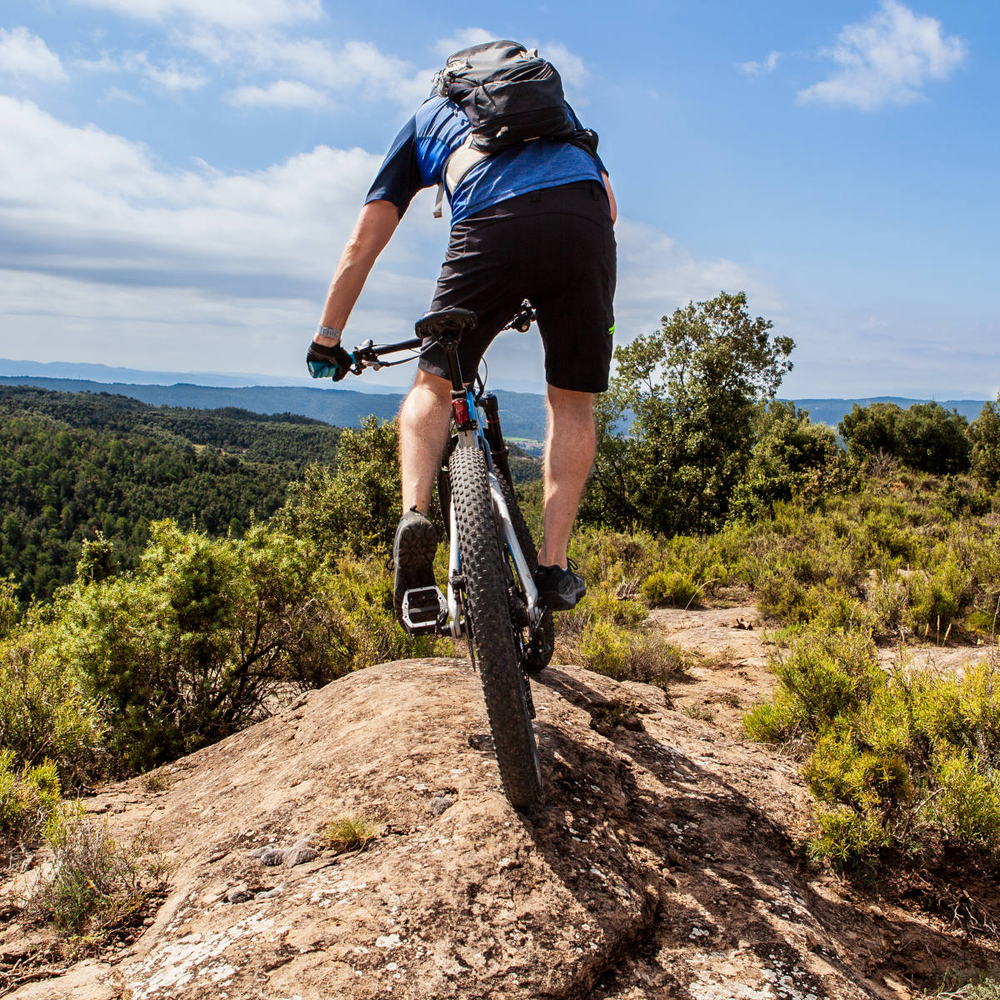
x=692, y=390
x=357, y=505
x=926, y=437
x=934, y=439
x=984, y=434
x=871, y=430
x=789, y=452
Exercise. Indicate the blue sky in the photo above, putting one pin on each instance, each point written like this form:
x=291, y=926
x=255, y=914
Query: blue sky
x=177, y=177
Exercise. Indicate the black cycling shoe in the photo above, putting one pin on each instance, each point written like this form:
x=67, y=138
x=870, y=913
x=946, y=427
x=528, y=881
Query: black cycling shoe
x=559, y=589
x=413, y=554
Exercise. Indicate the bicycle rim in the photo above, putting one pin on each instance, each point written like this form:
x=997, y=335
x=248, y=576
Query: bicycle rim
x=492, y=632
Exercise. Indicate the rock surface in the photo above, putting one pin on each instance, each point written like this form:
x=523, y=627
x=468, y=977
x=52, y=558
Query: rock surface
x=663, y=863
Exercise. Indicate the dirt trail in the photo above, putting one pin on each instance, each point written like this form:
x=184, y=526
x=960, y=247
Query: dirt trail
x=663, y=864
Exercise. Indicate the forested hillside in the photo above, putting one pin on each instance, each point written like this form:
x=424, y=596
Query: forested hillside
x=74, y=464
x=523, y=412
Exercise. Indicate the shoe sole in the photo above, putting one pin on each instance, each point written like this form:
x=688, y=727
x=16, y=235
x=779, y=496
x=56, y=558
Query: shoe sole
x=555, y=601
x=415, y=549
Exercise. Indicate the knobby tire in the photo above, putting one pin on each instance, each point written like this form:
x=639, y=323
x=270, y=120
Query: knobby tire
x=483, y=567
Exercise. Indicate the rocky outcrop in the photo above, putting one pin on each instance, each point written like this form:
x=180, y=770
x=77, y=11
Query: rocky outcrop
x=663, y=863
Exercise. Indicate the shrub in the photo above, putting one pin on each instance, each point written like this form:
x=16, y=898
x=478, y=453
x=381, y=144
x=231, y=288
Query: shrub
x=630, y=655
x=97, y=886
x=938, y=599
x=10, y=611
x=984, y=434
x=896, y=761
x=673, y=589
x=788, y=600
x=187, y=649
x=44, y=713
x=825, y=674
x=357, y=506
x=29, y=795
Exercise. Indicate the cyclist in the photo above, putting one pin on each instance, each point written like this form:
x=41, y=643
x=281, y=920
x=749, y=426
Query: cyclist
x=533, y=221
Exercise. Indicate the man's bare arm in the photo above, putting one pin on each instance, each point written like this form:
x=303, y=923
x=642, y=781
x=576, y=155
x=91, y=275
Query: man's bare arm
x=373, y=230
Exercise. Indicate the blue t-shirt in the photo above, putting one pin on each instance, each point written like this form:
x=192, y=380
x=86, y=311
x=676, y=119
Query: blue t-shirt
x=419, y=153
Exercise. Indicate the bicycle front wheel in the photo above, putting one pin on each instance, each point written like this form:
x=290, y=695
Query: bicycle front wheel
x=492, y=633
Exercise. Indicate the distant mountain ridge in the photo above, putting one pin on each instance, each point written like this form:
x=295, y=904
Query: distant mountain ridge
x=523, y=413
x=832, y=411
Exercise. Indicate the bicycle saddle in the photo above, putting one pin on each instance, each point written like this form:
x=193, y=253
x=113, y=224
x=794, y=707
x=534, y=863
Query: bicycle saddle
x=447, y=327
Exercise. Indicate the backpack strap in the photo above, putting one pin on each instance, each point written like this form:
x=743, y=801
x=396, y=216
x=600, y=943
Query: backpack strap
x=461, y=162
x=458, y=164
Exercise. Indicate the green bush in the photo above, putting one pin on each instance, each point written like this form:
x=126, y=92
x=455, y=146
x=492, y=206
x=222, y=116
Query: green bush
x=188, y=648
x=673, y=589
x=44, y=713
x=10, y=611
x=907, y=762
x=630, y=655
x=29, y=795
x=355, y=506
x=825, y=674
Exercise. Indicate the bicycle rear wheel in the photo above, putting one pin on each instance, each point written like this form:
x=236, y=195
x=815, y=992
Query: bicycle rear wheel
x=492, y=633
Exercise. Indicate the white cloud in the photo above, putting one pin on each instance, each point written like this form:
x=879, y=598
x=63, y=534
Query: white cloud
x=357, y=69
x=571, y=67
x=657, y=276
x=109, y=256
x=113, y=212
x=117, y=94
x=23, y=54
x=175, y=78
x=171, y=76
x=887, y=59
x=239, y=14
x=283, y=94
x=767, y=65
x=462, y=40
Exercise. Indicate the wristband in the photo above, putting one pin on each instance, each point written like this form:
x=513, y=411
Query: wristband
x=328, y=331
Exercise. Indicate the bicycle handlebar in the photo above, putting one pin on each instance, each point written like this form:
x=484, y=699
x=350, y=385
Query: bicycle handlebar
x=369, y=354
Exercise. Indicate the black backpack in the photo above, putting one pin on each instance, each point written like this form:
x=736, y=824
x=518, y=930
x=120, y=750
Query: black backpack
x=510, y=95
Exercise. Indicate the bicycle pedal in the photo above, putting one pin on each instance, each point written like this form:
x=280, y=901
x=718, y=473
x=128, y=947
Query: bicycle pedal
x=424, y=610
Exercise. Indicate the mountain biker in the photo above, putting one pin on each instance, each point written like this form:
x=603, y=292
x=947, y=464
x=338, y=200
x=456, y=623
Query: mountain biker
x=532, y=221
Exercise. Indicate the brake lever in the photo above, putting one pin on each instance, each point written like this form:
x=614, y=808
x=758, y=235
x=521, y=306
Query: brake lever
x=364, y=357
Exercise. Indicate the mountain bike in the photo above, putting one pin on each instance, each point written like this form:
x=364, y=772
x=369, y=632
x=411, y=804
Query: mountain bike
x=491, y=598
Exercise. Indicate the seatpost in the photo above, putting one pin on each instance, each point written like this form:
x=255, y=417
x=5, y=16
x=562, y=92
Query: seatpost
x=455, y=370
x=459, y=397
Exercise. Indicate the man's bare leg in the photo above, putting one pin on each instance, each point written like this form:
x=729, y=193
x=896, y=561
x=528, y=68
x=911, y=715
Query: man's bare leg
x=570, y=446
x=423, y=432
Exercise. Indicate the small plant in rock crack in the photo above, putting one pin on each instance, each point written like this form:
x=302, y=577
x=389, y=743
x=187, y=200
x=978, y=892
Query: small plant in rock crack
x=98, y=889
x=703, y=713
x=156, y=781
x=351, y=832
x=616, y=713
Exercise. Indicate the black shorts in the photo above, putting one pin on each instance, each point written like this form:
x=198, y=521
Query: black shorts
x=555, y=247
